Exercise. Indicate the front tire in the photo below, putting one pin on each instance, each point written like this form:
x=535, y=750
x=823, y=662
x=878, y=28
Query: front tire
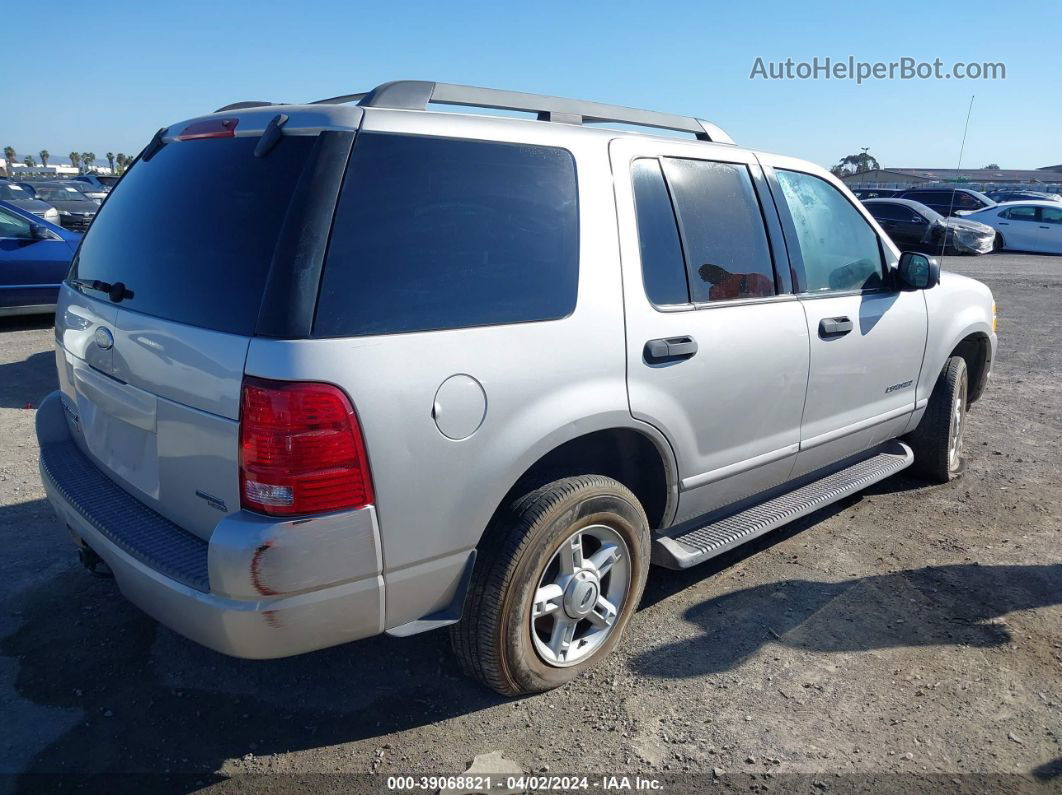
x=937, y=442
x=558, y=577
x=997, y=242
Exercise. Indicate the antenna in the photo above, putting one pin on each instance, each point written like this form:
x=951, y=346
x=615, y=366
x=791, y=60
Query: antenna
x=958, y=166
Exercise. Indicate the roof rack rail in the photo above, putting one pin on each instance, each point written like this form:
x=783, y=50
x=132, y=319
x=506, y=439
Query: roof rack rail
x=242, y=105
x=417, y=94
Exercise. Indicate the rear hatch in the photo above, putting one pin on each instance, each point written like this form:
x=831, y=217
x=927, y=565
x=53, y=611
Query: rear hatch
x=163, y=297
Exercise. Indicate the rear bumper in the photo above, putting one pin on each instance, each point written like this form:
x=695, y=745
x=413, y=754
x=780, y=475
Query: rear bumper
x=258, y=589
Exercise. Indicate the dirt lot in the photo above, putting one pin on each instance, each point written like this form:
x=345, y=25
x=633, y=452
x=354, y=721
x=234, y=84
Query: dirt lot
x=908, y=638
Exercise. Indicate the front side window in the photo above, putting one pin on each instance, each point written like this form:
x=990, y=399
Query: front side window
x=663, y=267
x=840, y=250
x=723, y=230
x=445, y=233
x=14, y=226
x=889, y=212
x=1021, y=214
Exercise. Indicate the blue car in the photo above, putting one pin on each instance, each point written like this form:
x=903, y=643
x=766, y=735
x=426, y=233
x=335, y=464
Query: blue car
x=34, y=258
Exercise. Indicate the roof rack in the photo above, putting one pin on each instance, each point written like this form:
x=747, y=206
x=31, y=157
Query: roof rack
x=417, y=94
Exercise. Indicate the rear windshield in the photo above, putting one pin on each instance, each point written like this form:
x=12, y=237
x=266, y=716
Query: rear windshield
x=191, y=232
x=444, y=233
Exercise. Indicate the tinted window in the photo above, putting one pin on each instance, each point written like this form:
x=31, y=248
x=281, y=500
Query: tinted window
x=839, y=248
x=663, y=268
x=191, y=232
x=437, y=233
x=15, y=226
x=1021, y=213
x=725, y=240
x=1051, y=215
x=889, y=212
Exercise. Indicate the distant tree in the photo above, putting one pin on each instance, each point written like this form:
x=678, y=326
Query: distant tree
x=123, y=161
x=855, y=164
x=9, y=156
x=75, y=160
x=87, y=160
x=993, y=166
x=45, y=154
x=110, y=159
x=29, y=161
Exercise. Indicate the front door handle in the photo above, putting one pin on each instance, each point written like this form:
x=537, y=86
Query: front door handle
x=670, y=349
x=834, y=327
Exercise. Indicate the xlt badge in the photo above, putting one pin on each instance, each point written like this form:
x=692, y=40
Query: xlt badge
x=895, y=387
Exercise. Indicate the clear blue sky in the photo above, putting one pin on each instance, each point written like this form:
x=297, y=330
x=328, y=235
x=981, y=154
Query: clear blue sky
x=135, y=66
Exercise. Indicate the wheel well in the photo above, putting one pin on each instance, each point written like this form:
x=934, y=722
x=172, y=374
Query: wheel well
x=974, y=349
x=619, y=453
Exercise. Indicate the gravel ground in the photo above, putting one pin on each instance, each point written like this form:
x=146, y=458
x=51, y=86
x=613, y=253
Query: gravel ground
x=908, y=638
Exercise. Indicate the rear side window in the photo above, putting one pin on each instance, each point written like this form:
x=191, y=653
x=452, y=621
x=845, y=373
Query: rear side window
x=663, y=267
x=839, y=248
x=442, y=233
x=191, y=231
x=889, y=212
x=722, y=227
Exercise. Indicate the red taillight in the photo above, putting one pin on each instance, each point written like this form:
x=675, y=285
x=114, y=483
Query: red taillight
x=301, y=449
x=211, y=128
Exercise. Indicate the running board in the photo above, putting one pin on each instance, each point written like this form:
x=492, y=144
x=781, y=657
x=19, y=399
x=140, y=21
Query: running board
x=723, y=534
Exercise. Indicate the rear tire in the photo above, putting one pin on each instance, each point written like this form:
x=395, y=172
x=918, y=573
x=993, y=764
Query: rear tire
x=937, y=441
x=539, y=611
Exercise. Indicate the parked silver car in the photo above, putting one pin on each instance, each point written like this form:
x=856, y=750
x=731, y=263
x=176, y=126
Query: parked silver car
x=412, y=369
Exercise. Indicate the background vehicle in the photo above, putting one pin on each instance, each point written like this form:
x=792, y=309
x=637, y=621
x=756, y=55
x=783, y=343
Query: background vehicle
x=34, y=259
x=102, y=183
x=874, y=193
x=913, y=226
x=395, y=378
x=1025, y=226
x=1000, y=196
x=17, y=195
x=75, y=209
x=947, y=201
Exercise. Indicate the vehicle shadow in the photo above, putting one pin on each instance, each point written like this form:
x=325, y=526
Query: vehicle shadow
x=152, y=701
x=930, y=606
x=26, y=382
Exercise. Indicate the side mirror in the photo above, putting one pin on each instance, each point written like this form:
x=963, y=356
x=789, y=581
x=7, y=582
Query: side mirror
x=918, y=271
x=39, y=232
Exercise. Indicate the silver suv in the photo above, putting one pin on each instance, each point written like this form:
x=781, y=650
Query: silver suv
x=350, y=367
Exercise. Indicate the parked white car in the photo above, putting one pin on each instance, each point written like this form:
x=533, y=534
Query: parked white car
x=1024, y=226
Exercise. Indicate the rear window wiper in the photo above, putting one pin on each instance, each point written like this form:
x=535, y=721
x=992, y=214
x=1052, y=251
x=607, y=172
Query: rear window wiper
x=116, y=292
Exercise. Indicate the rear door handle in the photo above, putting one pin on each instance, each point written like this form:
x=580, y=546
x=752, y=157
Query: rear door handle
x=670, y=349
x=834, y=326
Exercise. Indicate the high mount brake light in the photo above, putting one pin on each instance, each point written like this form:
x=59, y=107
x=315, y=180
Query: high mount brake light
x=301, y=449
x=211, y=128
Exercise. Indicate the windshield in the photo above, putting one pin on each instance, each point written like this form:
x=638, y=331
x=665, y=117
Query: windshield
x=50, y=194
x=191, y=231
x=13, y=193
x=108, y=182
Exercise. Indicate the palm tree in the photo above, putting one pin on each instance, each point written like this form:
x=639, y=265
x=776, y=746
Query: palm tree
x=110, y=159
x=75, y=160
x=45, y=154
x=9, y=156
x=87, y=159
x=29, y=161
x=123, y=162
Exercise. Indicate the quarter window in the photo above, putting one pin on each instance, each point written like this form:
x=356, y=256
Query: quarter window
x=444, y=233
x=722, y=227
x=839, y=248
x=663, y=268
